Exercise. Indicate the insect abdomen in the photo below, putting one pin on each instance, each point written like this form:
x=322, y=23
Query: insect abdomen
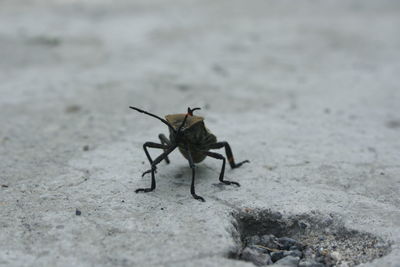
x=197, y=156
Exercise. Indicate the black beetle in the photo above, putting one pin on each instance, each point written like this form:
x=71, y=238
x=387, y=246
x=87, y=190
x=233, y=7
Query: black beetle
x=188, y=133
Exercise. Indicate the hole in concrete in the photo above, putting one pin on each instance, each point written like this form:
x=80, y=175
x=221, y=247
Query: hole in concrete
x=312, y=240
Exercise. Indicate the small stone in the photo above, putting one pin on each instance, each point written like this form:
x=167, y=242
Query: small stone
x=72, y=109
x=268, y=241
x=183, y=87
x=247, y=210
x=304, y=225
x=255, y=256
x=294, y=253
x=289, y=261
x=310, y=263
x=380, y=245
x=308, y=253
x=336, y=256
x=329, y=260
x=259, y=248
x=275, y=256
x=78, y=212
x=322, y=251
x=253, y=240
x=287, y=242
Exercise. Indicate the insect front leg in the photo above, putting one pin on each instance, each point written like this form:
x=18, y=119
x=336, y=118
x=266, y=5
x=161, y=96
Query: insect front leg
x=165, y=141
x=229, y=154
x=222, y=173
x=153, y=168
x=192, y=166
x=152, y=145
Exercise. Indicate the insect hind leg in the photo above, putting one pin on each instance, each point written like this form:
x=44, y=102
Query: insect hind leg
x=222, y=173
x=229, y=154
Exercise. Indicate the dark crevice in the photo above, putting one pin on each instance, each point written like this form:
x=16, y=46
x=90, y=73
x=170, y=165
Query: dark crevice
x=266, y=238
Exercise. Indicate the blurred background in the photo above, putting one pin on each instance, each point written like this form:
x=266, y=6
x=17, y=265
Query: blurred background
x=310, y=72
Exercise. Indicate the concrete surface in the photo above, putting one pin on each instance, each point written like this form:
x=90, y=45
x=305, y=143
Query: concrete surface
x=307, y=91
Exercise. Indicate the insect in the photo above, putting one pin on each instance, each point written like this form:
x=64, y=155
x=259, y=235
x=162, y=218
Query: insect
x=189, y=134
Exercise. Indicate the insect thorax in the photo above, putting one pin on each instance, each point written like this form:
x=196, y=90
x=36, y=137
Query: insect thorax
x=195, y=135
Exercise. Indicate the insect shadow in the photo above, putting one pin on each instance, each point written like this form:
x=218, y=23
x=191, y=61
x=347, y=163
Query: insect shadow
x=194, y=140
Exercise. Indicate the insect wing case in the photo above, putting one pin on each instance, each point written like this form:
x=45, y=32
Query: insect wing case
x=196, y=133
x=176, y=120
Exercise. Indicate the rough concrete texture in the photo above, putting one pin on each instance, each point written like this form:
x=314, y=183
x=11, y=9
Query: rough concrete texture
x=307, y=91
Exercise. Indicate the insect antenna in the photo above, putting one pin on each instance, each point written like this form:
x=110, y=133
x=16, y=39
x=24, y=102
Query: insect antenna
x=189, y=113
x=155, y=116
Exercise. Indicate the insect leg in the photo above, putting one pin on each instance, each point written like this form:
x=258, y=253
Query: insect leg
x=152, y=145
x=164, y=140
x=221, y=175
x=229, y=154
x=153, y=168
x=192, y=166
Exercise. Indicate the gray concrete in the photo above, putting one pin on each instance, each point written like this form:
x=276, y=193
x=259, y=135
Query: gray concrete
x=308, y=91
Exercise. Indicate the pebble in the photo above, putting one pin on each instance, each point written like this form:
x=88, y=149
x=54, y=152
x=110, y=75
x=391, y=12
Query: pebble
x=287, y=242
x=269, y=241
x=260, y=249
x=253, y=240
x=304, y=225
x=336, y=256
x=329, y=260
x=295, y=253
x=289, y=261
x=310, y=263
x=275, y=256
x=320, y=259
x=256, y=256
x=308, y=253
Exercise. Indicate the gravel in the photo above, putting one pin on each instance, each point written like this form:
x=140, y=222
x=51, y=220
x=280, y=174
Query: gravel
x=321, y=243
